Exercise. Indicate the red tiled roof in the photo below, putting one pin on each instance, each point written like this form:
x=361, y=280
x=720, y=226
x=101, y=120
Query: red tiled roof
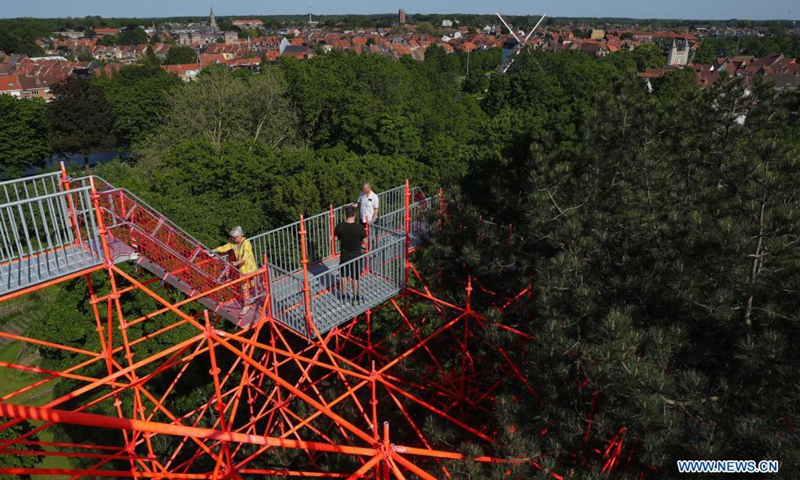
x=247, y=61
x=108, y=69
x=182, y=68
x=32, y=83
x=9, y=83
x=209, y=59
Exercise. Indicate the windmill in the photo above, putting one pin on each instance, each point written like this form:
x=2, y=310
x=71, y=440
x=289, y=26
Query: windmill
x=513, y=46
x=311, y=22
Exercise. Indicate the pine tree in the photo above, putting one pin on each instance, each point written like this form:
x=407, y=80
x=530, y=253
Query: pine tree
x=665, y=259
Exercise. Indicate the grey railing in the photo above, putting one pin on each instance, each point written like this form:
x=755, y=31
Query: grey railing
x=286, y=298
x=44, y=232
x=282, y=246
x=48, y=228
x=498, y=231
x=380, y=274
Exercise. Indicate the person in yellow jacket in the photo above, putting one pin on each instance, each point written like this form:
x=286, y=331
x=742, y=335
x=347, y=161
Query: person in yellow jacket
x=245, y=261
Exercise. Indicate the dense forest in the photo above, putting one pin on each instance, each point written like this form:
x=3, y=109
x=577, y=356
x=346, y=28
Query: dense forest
x=660, y=230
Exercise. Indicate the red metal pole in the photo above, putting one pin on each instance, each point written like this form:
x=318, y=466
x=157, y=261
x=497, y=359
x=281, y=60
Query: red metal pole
x=215, y=370
x=73, y=219
x=267, y=290
x=369, y=334
x=115, y=304
x=374, y=402
x=103, y=421
x=386, y=444
x=306, y=289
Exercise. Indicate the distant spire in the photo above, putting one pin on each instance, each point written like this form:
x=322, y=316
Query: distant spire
x=212, y=19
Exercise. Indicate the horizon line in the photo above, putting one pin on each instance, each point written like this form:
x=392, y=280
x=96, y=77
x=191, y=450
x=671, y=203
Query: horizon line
x=412, y=13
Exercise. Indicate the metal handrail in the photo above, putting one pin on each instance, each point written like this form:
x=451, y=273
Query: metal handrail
x=145, y=204
x=313, y=217
x=32, y=177
x=369, y=254
x=285, y=272
x=173, y=249
x=43, y=197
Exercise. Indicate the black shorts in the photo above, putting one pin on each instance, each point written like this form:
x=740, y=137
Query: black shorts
x=352, y=270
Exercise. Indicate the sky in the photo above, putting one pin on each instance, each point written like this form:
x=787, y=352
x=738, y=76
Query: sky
x=676, y=9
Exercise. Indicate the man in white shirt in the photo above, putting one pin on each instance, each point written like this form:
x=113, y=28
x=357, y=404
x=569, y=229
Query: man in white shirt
x=368, y=204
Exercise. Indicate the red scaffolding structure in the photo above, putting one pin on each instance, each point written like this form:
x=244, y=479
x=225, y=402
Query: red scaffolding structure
x=355, y=401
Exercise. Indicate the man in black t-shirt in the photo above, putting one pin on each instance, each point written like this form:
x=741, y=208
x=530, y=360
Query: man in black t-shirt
x=351, y=237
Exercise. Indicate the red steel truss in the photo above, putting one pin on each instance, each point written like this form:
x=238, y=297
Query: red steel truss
x=358, y=401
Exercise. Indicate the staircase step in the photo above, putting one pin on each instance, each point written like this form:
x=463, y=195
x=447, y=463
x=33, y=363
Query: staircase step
x=231, y=311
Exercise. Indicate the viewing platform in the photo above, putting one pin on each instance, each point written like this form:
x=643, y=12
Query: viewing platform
x=53, y=226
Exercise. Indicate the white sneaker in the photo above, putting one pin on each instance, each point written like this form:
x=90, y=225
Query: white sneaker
x=246, y=309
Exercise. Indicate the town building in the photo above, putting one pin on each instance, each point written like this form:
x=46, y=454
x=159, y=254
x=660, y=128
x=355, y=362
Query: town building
x=678, y=54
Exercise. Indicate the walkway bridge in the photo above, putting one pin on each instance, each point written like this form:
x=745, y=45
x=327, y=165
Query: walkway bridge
x=53, y=226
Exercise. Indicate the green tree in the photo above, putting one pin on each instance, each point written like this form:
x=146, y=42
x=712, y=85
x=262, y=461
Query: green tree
x=221, y=107
x=81, y=120
x=108, y=40
x=84, y=55
x=476, y=82
x=19, y=40
x=132, y=35
x=376, y=105
x=648, y=55
x=622, y=60
x=178, y=54
x=663, y=258
x=24, y=134
x=139, y=96
x=673, y=87
x=438, y=58
x=426, y=28
x=250, y=33
x=150, y=58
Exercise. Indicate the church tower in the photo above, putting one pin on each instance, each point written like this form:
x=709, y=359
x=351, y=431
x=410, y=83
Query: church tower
x=212, y=20
x=679, y=54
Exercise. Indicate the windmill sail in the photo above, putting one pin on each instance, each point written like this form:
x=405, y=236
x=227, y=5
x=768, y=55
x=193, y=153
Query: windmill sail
x=513, y=45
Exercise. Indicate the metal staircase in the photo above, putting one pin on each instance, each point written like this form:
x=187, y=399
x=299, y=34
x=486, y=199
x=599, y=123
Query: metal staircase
x=52, y=226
